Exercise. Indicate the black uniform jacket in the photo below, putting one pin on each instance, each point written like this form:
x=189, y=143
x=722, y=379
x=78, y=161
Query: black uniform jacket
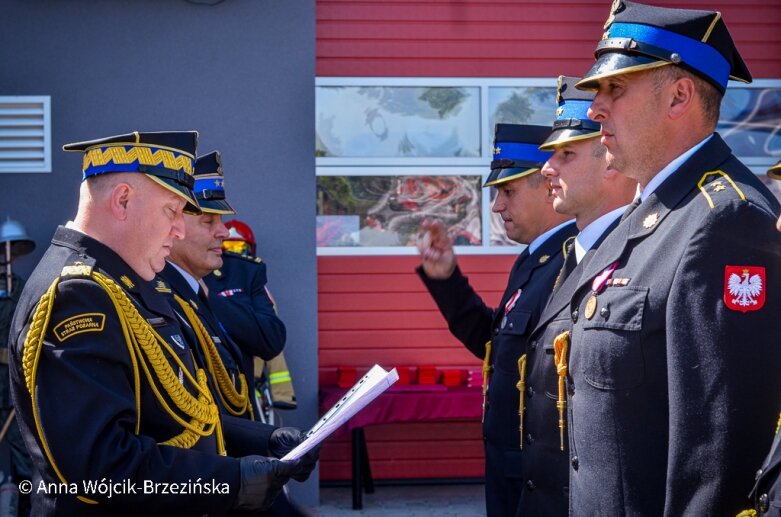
x=238, y=296
x=544, y=464
x=85, y=397
x=241, y=437
x=670, y=401
x=767, y=491
x=473, y=323
x=229, y=352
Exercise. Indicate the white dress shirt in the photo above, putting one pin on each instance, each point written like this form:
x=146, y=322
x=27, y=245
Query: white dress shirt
x=668, y=171
x=591, y=233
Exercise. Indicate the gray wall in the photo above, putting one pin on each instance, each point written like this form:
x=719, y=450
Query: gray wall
x=241, y=72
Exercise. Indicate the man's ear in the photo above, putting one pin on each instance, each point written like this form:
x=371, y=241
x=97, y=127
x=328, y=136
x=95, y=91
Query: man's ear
x=120, y=197
x=682, y=93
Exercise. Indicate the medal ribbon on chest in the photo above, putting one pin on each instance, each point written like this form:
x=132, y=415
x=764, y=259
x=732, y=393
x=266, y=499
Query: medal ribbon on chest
x=510, y=304
x=596, y=287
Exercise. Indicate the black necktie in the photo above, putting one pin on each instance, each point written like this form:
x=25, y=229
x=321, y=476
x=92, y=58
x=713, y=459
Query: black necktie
x=631, y=208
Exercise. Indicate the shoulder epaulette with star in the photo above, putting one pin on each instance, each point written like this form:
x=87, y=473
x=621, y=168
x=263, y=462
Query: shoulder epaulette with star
x=717, y=187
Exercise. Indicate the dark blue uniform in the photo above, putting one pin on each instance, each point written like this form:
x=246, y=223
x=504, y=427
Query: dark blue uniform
x=767, y=491
x=238, y=297
x=242, y=437
x=544, y=462
x=173, y=283
x=672, y=361
x=474, y=324
x=94, y=415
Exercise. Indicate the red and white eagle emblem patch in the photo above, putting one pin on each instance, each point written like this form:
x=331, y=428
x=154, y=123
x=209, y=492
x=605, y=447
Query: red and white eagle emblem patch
x=744, y=288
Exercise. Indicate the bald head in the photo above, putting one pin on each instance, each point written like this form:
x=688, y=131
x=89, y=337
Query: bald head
x=132, y=215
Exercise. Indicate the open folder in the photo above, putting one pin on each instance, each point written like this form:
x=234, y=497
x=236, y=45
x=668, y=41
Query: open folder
x=368, y=388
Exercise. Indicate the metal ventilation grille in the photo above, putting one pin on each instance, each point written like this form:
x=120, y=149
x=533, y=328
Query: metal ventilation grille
x=25, y=134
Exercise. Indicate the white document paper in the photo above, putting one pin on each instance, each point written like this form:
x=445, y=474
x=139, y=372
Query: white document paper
x=368, y=388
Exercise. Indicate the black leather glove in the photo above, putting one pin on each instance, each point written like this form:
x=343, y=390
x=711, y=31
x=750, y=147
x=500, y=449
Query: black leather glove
x=261, y=481
x=284, y=440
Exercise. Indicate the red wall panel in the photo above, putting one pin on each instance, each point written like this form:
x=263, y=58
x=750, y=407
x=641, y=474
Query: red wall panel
x=376, y=310
x=510, y=38
x=405, y=451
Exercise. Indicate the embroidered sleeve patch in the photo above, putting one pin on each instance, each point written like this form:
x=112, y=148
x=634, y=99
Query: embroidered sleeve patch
x=90, y=322
x=744, y=288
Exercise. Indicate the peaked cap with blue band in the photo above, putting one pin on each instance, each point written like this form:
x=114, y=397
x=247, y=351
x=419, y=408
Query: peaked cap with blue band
x=572, y=122
x=641, y=37
x=775, y=171
x=516, y=152
x=166, y=157
x=209, y=186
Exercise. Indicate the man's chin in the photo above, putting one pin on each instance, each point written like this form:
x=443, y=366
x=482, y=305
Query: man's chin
x=610, y=160
x=559, y=204
x=158, y=264
x=213, y=259
x=149, y=273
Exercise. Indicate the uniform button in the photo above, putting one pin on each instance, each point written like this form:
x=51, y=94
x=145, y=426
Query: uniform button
x=575, y=462
x=605, y=312
x=764, y=503
x=491, y=368
x=759, y=473
x=530, y=485
x=575, y=316
x=496, y=331
x=530, y=391
x=510, y=325
x=529, y=439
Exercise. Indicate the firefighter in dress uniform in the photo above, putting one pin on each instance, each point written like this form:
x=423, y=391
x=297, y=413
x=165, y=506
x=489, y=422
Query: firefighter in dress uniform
x=499, y=336
x=583, y=187
x=181, y=282
x=240, y=297
x=671, y=354
x=107, y=391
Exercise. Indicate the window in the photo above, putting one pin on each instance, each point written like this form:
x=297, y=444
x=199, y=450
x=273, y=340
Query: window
x=400, y=121
x=372, y=211
x=25, y=134
x=393, y=152
x=751, y=122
